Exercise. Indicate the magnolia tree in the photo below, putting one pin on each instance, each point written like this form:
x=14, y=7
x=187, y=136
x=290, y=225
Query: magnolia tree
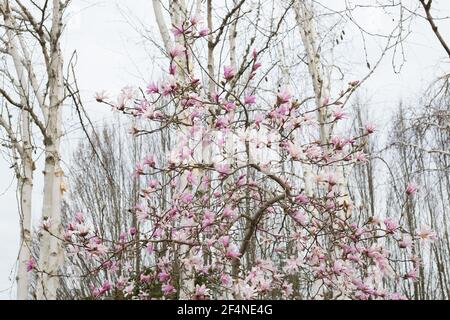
x=255, y=204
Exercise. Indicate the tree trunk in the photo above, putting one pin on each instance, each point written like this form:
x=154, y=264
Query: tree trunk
x=51, y=254
x=25, y=172
x=25, y=195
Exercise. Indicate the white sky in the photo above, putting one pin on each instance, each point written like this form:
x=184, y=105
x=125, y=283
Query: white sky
x=111, y=55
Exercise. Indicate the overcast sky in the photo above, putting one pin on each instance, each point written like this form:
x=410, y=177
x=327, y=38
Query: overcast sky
x=111, y=55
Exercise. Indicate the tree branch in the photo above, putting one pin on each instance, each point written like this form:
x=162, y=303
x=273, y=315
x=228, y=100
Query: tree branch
x=427, y=8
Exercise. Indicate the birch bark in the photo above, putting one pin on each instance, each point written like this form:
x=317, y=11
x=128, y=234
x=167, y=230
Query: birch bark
x=51, y=254
x=177, y=14
x=25, y=194
x=321, y=81
x=27, y=165
x=304, y=15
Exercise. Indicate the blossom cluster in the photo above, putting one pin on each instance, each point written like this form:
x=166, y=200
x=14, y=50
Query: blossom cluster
x=255, y=202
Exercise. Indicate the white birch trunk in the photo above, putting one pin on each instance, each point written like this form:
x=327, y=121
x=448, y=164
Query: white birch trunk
x=51, y=254
x=26, y=172
x=177, y=10
x=163, y=29
x=321, y=84
x=304, y=15
x=187, y=282
x=25, y=194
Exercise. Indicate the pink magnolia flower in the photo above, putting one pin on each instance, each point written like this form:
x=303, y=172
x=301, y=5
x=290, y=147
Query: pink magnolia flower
x=332, y=178
x=360, y=156
x=225, y=240
x=398, y=296
x=232, y=252
x=127, y=92
x=250, y=99
x=287, y=289
x=370, y=128
x=176, y=51
x=163, y=276
x=149, y=161
x=259, y=118
x=153, y=183
x=228, y=73
x=152, y=88
x=256, y=66
x=302, y=199
x=106, y=286
x=223, y=169
x=82, y=230
x=31, y=264
x=339, y=114
x=314, y=152
x=228, y=212
x=203, y=32
x=141, y=215
x=291, y=266
x=391, y=225
x=294, y=151
x=411, y=189
x=354, y=258
x=338, y=142
x=194, y=20
x=79, y=217
x=145, y=278
x=168, y=289
x=121, y=283
x=214, y=97
x=191, y=177
x=280, y=112
x=172, y=69
x=208, y=218
x=254, y=53
x=338, y=267
x=406, y=242
x=46, y=224
x=101, y=96
x=284, y=96
x=229, y=106
x=169, y=87
x=178, y=31
x=412, y=274
x=68, y=234
x=426, y=233
x=138, y=170
x=200, y=292
x=186, y=197
x=330, y=205
x=222, y=122
x=241, y=180
x=122, y=104
x=96, y=292
x=246, y=291
x=265, y=285
x=225, y=279
x=301, y=218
